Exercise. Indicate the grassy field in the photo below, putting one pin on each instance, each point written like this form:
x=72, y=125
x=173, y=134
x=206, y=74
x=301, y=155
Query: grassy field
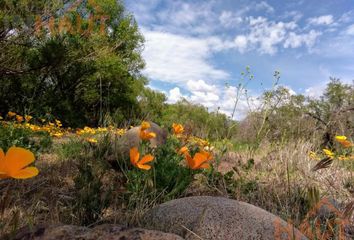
x=85, y=177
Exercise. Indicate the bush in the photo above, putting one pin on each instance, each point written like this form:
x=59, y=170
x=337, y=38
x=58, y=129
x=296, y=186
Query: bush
x=168, y=178
x=92, y=195
x=12, y=135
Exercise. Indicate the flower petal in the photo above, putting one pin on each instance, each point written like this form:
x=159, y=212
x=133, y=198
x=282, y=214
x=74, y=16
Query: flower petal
x=189, y=159
x=208, y=155
x=134, y=155
x=2, y=154
x=205, y=166
x=3, y=175
x=2, y=162
x=341, y=138
x=199, y=159
x=144, y=135
x=144, y=167
x=17, y=158
x=145, y=125
x=146, y=159
x=26, y=173
x=183, y=150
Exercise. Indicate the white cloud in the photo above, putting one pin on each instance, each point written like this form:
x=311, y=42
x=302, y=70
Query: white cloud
x=321, y=20
x=174, y=95
x=290, y=90
x=264, y=6
x=241, y=43
x=200, y=85
x=142, y=11
x=228, y=19
x=266, y=35
x=192, y=18
x=347, y=17
x=215, y=97
x=350, y=30
x=296, y=40
x=203, y=93
x=295, y=15
x=178, y=59
x=208, y=99
x=315, y=91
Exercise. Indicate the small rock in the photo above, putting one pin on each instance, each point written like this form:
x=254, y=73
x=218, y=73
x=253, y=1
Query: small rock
x=218, y=218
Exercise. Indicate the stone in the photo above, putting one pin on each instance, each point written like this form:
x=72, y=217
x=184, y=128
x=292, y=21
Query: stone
x=205, y=217
x=101, y=232
x=131, y=137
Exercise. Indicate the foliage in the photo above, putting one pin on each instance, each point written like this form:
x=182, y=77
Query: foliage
x=91, y=197
x=197, y=120
x=10, y=135
x=168, y=179
x=283, y=116
x=76, y=77
x=333, y=112
x=152, y=104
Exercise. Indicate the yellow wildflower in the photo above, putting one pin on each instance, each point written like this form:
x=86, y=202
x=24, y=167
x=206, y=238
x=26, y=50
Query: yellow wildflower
x=57, y=134
x=328, y=153
x=58, y=123
x=91, y=140
x=28, y=118
x=343, y=141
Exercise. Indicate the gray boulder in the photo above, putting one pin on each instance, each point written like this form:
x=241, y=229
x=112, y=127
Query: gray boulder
x=218, y=218
x=131, y=137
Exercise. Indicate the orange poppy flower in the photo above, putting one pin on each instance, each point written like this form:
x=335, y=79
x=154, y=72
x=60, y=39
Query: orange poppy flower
x=11, y=114
x=346, y=144
x=19, y=118
x=134, y=159
x=344, y=141
x=199, y=161
x=13, y=164
x=184, y=150
x=144, y=135
x=177, y=128
x=145, y=125
x=208, y=155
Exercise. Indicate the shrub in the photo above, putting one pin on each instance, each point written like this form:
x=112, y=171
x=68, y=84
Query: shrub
x=12, y=135
x=92, y=196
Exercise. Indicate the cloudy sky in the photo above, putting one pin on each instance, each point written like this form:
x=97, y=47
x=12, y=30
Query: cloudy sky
x=194, y=47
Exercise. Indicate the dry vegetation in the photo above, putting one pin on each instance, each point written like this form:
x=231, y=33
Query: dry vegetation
x=278, y=179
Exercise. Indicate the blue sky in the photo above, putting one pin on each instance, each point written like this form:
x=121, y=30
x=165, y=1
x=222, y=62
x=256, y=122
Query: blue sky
x=193, y=48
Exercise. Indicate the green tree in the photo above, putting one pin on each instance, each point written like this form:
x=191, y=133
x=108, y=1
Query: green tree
x=78, y=60
x=333, y=112
x=152, y=104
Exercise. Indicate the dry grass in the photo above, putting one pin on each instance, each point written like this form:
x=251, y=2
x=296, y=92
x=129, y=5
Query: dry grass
x=278, y=182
